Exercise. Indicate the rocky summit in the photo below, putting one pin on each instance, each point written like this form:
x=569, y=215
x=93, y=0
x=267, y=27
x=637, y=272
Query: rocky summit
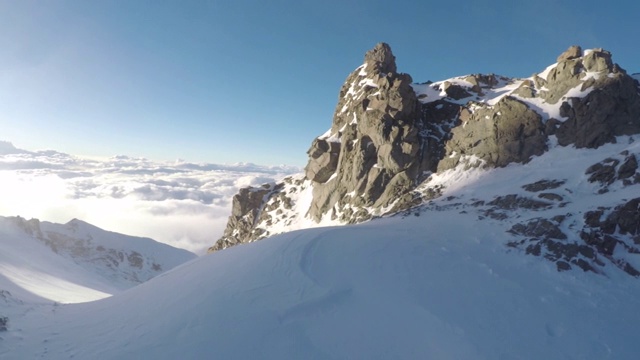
x=392, y=141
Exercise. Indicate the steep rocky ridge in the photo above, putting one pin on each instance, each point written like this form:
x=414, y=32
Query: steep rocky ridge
x=390, y=138
x=373, y=152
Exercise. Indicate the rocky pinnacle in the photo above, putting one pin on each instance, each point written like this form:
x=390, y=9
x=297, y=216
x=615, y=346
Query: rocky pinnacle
x=387, y=137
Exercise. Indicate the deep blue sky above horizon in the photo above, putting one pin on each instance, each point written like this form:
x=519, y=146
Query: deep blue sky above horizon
x=255, y=81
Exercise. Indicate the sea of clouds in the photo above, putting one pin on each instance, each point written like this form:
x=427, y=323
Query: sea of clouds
x=182, y=204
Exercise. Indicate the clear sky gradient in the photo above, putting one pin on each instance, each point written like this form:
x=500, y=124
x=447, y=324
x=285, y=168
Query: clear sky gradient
x=255, y=81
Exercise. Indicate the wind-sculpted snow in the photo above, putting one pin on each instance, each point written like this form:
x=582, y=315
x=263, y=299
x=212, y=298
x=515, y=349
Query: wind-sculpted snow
x=436, y=286
x=181, y=203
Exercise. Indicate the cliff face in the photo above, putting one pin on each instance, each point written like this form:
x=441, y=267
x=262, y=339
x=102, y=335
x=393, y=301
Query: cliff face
x=389, y=137
x=374, y=151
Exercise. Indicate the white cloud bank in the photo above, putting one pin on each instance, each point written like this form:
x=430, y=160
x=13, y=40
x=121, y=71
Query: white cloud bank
x=182, y=204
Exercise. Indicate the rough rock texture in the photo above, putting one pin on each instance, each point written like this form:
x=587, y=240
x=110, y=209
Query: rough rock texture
x=606, y=234
x=622, y=168
x=611, y=107
x=539, y=227
x=573, y=71
x=502, y=207
x=380, y=59
x=611, y=110
x=389, y=136
x=543, y=185
x=619, y=229
x=245, y=209
x=573, y=52
x=373, y=153
x=597, y=242
x=497, y=135
x=323, y=160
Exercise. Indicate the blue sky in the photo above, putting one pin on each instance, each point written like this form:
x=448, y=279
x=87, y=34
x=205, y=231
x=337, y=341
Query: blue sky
x=255, y=81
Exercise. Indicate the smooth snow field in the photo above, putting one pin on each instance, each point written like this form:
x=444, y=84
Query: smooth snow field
x=395, y=288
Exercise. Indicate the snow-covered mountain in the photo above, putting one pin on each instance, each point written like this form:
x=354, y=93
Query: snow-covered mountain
x=497, y=218
x=76, y=261
x=395, y=145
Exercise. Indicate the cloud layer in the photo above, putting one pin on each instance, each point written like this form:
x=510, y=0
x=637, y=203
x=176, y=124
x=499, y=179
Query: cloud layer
x=182, y=204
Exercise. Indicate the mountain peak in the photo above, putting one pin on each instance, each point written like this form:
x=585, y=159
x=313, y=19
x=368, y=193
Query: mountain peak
x=381, y=59
x=573, y=52
x=392, y=142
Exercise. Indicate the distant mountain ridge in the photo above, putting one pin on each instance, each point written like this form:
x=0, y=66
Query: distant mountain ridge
x=105, y=261
x=391, y=140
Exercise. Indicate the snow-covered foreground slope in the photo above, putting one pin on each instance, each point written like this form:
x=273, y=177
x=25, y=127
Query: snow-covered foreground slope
x=434, y=283
x=31, y=272
x=42, y=262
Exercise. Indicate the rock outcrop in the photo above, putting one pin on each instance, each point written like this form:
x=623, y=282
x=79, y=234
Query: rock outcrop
x=245, y=211
x=373, y=153
x=389, y=136
x=603, y=239
x=598, y=99
x=611, y=109
x=497, y=135
x=573, y=52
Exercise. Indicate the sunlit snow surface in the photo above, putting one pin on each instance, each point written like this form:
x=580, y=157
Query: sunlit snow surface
x=422, y=287
x=93, y=264
x=435, y=283
x=180, y=203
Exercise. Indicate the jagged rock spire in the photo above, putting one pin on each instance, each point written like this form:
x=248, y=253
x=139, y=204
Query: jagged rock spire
x=381, y=59
x=371, y=155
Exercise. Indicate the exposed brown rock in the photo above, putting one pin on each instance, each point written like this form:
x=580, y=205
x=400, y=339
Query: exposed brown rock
x=377, y=121
x=246, y=207
x=611, y=109
x=498, y=135
x=572, y=52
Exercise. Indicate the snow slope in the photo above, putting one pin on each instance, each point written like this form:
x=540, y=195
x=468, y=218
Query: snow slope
x=393, y=288
x=31, y=271
x=437, y=282
x=41, y=262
